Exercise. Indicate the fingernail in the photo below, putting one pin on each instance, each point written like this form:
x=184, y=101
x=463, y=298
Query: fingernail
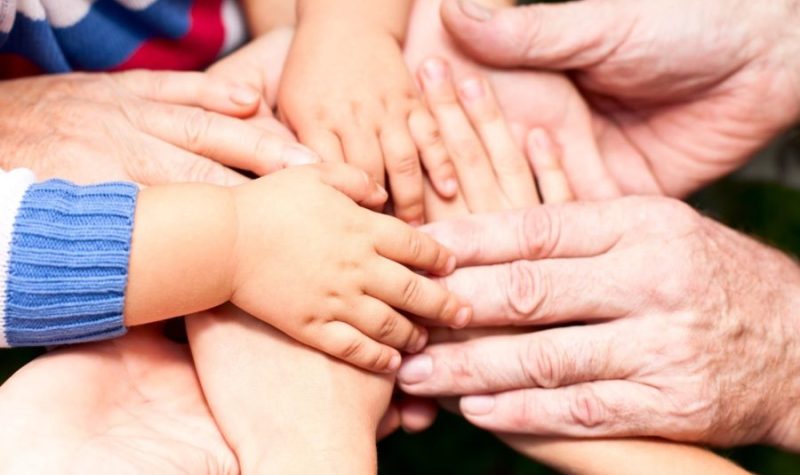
x=416, y=369
x=297, y=155
x=462, y=317
x=477, y=405
x=474, y=10
x=451, y=265
x=382, y=192
x=450, y=187
x=471, y=89
x=422, y=340
x=244, y=96
x=541, y=140
x=434, y=70
x=394, y=363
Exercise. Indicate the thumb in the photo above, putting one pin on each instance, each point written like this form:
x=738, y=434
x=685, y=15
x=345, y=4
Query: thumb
x=570, y=35
x=355, y=183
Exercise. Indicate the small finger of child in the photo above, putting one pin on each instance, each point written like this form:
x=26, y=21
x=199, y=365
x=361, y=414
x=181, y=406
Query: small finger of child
x=341, y=340
x=510, y=166
x=386, y=325
x=363, y=150
x=403, y=289
x=402, y=243
x=323, y=141
x=433, y=154
x=545, y=157
x=404, y=171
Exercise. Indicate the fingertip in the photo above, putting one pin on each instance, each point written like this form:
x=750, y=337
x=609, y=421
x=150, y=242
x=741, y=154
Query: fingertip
x=295, y=155
x=463, y=317
x=421, y=340
x=395, y=360
x=447, y=187
x=244, y=96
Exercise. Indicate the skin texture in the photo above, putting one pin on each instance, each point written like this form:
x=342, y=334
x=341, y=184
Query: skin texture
x=337, y=294
x=691, y=329
x=187, y=120
x=665, y=123
x=347, y=94
x=128, y=406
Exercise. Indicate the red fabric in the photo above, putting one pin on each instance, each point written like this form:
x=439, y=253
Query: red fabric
x=196, y=50
x=16, y=66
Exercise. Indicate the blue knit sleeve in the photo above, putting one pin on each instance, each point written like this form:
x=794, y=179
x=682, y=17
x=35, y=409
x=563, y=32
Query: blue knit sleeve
x=68, y=264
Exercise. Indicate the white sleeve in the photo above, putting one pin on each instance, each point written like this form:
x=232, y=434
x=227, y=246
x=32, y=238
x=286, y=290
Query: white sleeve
x=13, y=186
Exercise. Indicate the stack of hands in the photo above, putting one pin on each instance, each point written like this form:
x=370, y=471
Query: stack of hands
x=612, y=316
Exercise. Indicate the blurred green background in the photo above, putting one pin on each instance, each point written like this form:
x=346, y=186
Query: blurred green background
x=767, y=206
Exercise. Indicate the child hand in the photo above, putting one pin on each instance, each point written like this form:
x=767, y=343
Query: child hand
x=347, y=94
x=331, y=274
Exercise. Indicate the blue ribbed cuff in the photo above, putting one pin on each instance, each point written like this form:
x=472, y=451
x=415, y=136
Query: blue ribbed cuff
x=68, y=263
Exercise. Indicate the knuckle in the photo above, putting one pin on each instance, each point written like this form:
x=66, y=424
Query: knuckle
x=543, y=363
x=352, y=349
x=522, y=416
x=405, y=164
x=585, y=409
x=204, y=171
x=538, y=233
x=388, y=327
x=414, y=246
x=411, y=291
x=195, y=127
x=526, y=291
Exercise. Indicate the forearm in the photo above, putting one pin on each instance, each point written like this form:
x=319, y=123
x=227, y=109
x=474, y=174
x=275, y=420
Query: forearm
x=621, y=457
x=265, y=15
x=390, y=16
x=181, y=252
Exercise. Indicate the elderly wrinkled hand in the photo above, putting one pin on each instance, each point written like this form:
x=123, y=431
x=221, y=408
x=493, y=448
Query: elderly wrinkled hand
x=682, y=92
x=681, y=328
x=151, y=127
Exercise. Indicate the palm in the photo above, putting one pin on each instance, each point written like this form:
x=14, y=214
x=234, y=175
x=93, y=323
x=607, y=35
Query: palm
x=133, y=405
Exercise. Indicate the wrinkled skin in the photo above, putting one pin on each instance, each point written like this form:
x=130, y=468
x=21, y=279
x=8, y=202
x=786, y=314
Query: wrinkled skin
x=682, y=92
x=691, y=329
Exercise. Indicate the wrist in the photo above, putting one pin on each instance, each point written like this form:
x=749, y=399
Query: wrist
x=349, y=18
x=181, y=253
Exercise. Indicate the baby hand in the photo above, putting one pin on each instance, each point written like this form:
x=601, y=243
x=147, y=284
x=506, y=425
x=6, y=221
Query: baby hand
x=347, y=94
x=331, y=274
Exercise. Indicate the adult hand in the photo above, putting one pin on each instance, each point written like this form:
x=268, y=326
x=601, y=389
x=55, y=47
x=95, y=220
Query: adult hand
x=284, y=407
x=131, y=405
x=690, y=331
x=683, y=91
x=148, y=127
x=529, y=100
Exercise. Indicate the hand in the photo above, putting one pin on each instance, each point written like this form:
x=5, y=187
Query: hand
x=339, y=291
x=132, y=405
x=683, y=105
x=147, y=127
x=321, y=414
x=347, y=94
x=690, y=329
x=530, y=100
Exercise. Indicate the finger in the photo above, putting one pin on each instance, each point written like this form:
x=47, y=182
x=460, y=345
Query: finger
x=389, y=422
x=598, y=409
x=583, y=229
x=355, y=183
x=404, y=244
x=474, y=171
x=324, y=142
x=342, y=341
x=363, y=151
x=546, y=291
x=534, y=36
x=545, y=157
x=417, y=414
x=547, y=359
x=433, y=154
x=229, y=141
x=385, y=325
x=406, y=290
x=510, y=166
x=192, y=89
x=176, y=165
x=404, y=171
